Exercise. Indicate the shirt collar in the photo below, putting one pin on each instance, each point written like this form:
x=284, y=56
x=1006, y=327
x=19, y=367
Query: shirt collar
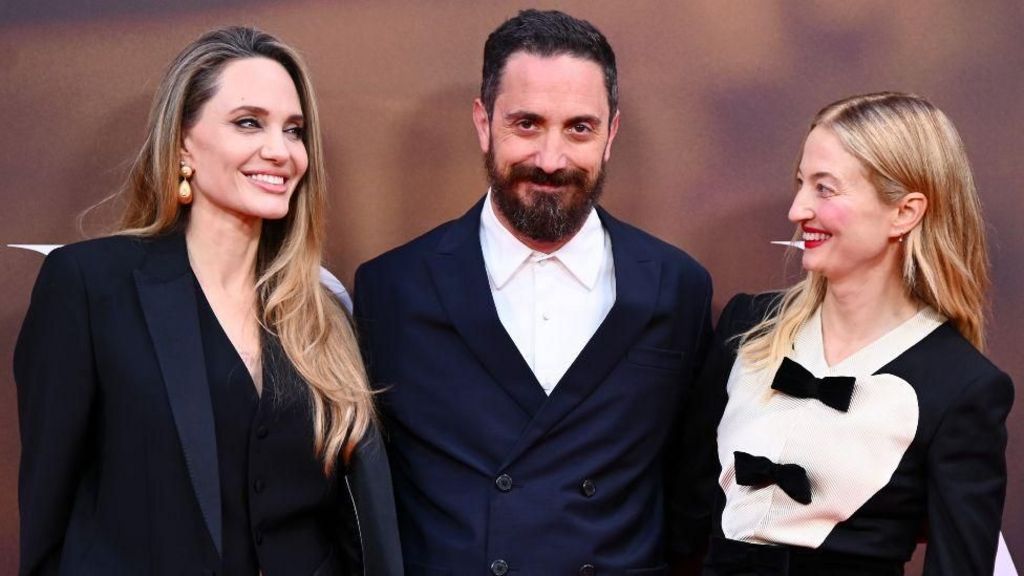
x=583, y=255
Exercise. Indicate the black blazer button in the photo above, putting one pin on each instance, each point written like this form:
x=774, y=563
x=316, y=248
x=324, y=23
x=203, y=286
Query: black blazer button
x=504, y=483
x=588, y=488
x=499, y=568
x=259, y=485
x=587, y=570
x=262, y=432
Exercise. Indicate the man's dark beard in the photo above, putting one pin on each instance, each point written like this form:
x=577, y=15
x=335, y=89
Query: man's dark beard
x=544, y=216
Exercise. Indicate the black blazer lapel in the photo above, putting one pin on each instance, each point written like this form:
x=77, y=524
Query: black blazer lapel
x=167, y=293
x=460, y=277
x=637, y=277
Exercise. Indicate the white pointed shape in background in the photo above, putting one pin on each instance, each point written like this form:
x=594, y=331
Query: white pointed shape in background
x=43, y=249
x=1004, y=564
x=794, y=243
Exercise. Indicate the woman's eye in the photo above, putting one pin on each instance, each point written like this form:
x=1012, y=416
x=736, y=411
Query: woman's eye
x=296, y=132
x=825, y=190
x=247, y=123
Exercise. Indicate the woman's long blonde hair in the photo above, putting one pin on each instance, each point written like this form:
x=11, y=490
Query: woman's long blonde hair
x=313, y=329
x=906, y=145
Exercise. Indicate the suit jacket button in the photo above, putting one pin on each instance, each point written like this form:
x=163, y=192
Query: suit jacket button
x=588, y=488
x=587, y=570
x=259, y=485
x=262, y=432
x=499, y=568
x=503, y=482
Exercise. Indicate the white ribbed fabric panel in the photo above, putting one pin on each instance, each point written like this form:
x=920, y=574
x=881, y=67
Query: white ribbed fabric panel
x=848, y=456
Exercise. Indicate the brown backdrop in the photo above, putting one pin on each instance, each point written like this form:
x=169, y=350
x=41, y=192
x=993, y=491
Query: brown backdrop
x=716, y=96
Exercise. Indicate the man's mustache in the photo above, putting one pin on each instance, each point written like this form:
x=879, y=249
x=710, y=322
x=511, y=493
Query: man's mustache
x=534, y=175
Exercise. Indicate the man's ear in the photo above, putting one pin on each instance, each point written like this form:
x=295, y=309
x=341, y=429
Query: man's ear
x=909, y=211
x=482, y=123
x=613, y=129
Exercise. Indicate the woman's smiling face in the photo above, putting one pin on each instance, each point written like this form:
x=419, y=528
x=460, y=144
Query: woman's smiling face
x=846, y=228
x=246, y=146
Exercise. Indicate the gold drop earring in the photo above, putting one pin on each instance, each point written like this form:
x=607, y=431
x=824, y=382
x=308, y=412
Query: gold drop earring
x=184, y=189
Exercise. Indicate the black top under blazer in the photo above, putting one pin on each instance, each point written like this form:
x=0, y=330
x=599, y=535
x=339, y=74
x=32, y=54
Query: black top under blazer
x=947, y=488
x=119, y=464
x=493, y=476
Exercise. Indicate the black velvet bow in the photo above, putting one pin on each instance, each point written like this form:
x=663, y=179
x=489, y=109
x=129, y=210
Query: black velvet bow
x=760, y=471
x=832, y=391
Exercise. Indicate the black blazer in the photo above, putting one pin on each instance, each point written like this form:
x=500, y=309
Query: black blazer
x=119, y=469
x=949, y=485
x=491, y=474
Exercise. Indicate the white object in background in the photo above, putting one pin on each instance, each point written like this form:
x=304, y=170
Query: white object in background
x=331, y=282
x=1004, y=564
x=43, y=249
x=794, y=243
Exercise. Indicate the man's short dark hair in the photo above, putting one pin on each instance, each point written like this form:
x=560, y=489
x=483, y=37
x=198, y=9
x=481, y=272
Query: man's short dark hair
x=546, y=33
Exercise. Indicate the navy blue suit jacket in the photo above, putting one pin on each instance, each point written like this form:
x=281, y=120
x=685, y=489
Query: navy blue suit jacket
x=492, y=475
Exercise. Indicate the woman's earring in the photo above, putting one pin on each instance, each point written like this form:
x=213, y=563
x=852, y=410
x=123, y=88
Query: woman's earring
x=184, y=189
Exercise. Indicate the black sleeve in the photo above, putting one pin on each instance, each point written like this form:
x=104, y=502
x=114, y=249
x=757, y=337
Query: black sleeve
x=370, y=485
x=967, y=480
x=694, y=467
x=56, y=380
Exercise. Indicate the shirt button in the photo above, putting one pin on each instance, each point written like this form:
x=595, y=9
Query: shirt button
x=545, y=315
x=259, y=485
x=503, y=482
x=588, y=488
x=499, y=568
x=262, y=432
x=587, y=570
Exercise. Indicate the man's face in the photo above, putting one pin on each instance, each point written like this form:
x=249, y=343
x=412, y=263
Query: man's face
x=546, y=143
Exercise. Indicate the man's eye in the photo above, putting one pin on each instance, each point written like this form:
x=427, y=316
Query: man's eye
x=527, y=124
x=581, y=129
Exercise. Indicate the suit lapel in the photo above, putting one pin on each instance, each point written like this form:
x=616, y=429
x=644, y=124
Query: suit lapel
x=637, y=277
x=167, y=293
x=460, y=277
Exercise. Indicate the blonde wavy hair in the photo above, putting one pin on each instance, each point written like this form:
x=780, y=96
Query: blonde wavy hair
x=906, y=145
x=313, y=328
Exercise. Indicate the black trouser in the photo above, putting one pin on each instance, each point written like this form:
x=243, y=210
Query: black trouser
x=731, y=558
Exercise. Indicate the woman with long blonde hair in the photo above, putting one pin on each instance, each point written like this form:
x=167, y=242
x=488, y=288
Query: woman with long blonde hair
x=857, y=411
x=192, y=400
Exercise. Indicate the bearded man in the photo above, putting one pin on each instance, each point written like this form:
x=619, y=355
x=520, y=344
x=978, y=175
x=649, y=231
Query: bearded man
x=533, y=355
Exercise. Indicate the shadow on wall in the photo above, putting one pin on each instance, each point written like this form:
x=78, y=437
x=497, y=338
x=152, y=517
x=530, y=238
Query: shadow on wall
x=440, y=168
x=123, y=134
x=15, y=13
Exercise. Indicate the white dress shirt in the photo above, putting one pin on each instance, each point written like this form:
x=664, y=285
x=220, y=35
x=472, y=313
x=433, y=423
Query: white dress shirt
x=550, y=304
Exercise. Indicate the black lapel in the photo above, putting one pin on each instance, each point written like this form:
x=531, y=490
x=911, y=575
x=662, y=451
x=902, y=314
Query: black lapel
x=637, y=277
x=167, y=292
x=457, y=268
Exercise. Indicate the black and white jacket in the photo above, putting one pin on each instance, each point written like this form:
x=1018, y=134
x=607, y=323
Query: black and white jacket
x=918, y=454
